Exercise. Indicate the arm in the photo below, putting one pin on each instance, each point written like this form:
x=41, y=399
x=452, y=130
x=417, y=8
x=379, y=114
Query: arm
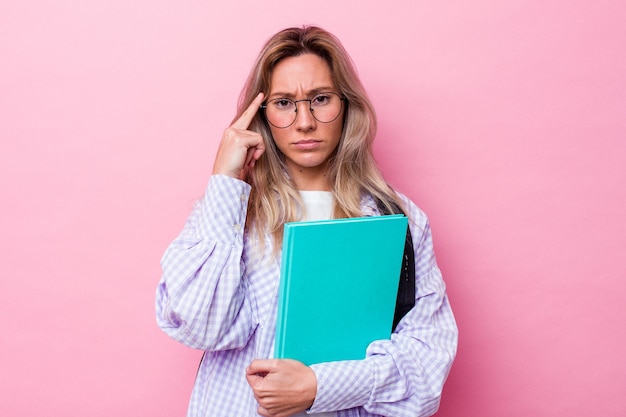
x=201, y=296
x=404, y=375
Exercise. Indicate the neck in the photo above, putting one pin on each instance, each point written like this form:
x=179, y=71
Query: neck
x=310, y=179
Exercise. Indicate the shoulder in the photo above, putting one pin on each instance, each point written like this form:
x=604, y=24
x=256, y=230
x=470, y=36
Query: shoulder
x=415, y=213
x=413, y=210
x=418, y=219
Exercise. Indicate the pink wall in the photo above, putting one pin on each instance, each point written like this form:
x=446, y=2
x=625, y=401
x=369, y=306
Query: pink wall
x=505, y=121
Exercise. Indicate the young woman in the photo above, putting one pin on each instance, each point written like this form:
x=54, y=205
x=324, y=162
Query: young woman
x=298, y=149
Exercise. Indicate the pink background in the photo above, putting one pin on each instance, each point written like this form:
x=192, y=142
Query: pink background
x=505, y=121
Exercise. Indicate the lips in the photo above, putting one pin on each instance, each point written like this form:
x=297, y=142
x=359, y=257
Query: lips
x=307, y=144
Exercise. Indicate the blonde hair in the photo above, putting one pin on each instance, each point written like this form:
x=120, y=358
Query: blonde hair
x=352, y=170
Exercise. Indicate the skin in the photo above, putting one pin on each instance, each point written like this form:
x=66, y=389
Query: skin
x=306, y=144
x=283, y=387
x=240, y=148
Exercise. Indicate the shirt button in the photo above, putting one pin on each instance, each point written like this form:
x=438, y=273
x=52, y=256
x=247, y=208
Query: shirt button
x=237, y=227
x=243, y=197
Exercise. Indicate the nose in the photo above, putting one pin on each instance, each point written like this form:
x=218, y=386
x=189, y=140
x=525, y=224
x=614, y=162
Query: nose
x=304, y=115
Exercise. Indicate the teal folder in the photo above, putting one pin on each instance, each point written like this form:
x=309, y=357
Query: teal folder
x=338, y=286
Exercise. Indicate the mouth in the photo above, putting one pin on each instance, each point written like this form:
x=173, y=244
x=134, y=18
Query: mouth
x=307, y=144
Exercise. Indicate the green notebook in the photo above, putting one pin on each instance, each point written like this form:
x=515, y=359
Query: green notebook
x=338, y=286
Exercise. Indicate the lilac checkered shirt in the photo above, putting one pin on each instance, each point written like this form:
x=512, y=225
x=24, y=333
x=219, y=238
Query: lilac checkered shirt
x=218, y=293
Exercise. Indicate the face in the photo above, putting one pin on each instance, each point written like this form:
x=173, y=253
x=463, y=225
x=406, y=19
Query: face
x=307, y=143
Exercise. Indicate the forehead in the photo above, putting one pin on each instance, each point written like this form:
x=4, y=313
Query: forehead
x=300, y=75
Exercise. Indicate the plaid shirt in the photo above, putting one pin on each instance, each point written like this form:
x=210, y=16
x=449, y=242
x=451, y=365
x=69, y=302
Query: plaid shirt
x=219, y=293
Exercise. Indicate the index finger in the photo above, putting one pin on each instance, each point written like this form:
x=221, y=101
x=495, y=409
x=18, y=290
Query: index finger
x=259, y=366
x=246, y=117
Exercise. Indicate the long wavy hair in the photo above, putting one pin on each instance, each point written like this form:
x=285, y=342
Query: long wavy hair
x=352, y=170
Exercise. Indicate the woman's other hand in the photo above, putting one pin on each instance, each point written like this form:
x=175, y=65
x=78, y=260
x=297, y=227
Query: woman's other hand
x=282, y=387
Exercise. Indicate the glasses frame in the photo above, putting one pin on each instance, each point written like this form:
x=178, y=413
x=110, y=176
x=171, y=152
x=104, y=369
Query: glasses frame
x=342, y=99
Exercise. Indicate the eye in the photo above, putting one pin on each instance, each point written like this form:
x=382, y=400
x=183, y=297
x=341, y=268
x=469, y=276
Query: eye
x=282, y=104
x=321, y=99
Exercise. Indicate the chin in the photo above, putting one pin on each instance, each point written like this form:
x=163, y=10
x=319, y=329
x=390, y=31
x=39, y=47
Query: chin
x=309, y=162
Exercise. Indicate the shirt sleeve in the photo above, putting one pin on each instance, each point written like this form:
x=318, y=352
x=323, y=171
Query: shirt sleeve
x=200, y=299
x=405, y=375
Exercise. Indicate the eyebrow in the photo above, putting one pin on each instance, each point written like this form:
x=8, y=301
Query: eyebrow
x=310, y=93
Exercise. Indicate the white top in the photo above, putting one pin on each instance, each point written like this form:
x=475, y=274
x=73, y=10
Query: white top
x=318, y=204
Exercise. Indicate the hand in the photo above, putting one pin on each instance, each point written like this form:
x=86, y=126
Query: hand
x=240, y=148
x=282, y=387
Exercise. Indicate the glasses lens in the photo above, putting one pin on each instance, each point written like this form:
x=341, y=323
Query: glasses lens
x=326, y=107
x=282, y=112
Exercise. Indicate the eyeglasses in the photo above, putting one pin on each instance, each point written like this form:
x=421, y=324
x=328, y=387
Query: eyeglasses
x=282, y=112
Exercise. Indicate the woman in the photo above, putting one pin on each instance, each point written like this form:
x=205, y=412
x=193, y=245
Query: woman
x=298, y=149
